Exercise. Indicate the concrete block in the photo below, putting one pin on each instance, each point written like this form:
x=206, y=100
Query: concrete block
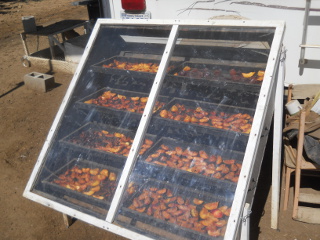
x=39, y=81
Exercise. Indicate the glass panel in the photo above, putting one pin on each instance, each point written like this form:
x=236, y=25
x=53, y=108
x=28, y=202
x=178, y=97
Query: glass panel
x=93, y=138
x=183, y=186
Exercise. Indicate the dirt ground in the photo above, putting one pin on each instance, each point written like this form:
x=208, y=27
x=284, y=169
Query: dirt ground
x=25, y=118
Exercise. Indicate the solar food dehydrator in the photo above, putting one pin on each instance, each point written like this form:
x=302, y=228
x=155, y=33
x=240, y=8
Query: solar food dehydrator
x=162, y=131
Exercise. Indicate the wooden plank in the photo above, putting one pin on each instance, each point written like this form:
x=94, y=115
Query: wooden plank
x=298, y=163
x=303, y=91
x=308, y=215
x=91, y=207
x=124, y=219
x=158, y=231
x=67, y=220
x=309, y=198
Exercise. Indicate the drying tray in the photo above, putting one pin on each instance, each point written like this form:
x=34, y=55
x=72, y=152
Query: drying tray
x=160, y=228
x=65, y=142
x=167, y=173
x=98, y=67
x=101, y=206
x=223, y=79
x=213, y=75
x=206, y=107
x=81, y=103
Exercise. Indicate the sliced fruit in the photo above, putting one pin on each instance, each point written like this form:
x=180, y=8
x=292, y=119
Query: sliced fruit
x=260, y=78
x=260, y=73
x=248, y=75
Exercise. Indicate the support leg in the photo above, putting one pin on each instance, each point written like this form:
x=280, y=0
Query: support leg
x=277, y=145
x=298, y=163
x=287, y=188
x=67, y=220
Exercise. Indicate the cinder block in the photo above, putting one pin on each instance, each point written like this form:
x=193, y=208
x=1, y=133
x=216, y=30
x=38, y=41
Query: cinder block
x=39, y=81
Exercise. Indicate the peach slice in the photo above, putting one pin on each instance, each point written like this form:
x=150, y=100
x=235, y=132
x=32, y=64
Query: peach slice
x=260, y=73
x=217, y=213
x=260, y=78
x=211, y=206
x=112, y=176
x=197, y=201
x=248, y=75
x=105, y=172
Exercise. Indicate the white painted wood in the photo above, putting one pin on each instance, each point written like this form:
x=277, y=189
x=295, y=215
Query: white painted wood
x=245, y=226
x=143, y=125
x=195, y=22
x=277, y=144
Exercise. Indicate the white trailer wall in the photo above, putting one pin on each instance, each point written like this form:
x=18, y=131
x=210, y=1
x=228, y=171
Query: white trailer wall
x=291, y=11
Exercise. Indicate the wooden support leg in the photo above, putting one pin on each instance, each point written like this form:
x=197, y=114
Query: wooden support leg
x=67, y=220
x=298, y=164
x=287, y=188
x=296, y=194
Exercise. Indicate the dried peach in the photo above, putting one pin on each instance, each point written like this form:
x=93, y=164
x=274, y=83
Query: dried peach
x=204, y=213
x=164, y=113
x=197, y=201
x=211, y=206
x=94, y=171
x=112, y=176
x=104, y=172
x=217, y=213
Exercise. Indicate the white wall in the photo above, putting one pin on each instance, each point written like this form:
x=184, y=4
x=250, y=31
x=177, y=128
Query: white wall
x=293, y=14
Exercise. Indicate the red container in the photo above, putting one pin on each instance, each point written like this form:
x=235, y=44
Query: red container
x=133, y=5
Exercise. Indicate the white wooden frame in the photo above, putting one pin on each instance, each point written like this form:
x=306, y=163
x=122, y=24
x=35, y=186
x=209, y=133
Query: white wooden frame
x=254, y=137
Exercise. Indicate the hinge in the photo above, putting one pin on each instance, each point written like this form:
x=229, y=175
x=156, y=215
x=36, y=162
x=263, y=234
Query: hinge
x=244, y=218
